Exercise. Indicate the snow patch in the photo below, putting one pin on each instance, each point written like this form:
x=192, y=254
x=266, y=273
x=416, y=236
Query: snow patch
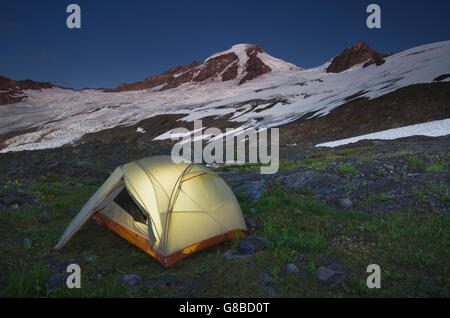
x=431, y=129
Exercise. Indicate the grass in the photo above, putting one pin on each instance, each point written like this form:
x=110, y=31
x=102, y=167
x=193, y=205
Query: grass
x=437, y=166
x=383, y=197
x=413, y=249
x=347, y=168
x=25, y=283
x=415, y=162
x=380, y=173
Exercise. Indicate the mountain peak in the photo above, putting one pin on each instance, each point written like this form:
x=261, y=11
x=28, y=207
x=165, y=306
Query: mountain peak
x=242, y=62
x=357, y=54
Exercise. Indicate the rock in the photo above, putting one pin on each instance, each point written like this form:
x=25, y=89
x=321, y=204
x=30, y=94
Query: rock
x=251, y=265
x=27, y=242
x=345, y=203
x=252, y=189
x=258, y=242
x=299, y=179
x=356, y=54
x=56, y=281
x=251, y=225
x=43, y=218
x=132, y=281
x=245, y=247
x=14, y=199
x=361, y=228
x=291, y=269
x=58, y=265
x=160, y=283
x=253, y=210
x=330, y=276
x=333, y=264
x=10, y=198
x=267, y=283
x=234, y=254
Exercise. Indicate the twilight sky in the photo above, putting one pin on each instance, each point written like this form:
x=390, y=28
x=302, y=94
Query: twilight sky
x=126, y=41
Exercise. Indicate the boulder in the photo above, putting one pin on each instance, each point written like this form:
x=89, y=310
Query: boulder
x=132, y=281
x=330, y=276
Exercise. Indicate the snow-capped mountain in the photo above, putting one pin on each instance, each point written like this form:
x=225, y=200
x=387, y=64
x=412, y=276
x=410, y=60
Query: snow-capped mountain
x=242, y=62
x=243, y=86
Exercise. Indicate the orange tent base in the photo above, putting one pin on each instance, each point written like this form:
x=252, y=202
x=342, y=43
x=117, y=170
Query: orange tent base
x=166, y=260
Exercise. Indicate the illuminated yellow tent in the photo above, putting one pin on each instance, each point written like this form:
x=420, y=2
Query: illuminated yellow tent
x=168, y=210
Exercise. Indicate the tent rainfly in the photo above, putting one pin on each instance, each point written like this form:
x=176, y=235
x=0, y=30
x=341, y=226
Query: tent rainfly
x=168, y=210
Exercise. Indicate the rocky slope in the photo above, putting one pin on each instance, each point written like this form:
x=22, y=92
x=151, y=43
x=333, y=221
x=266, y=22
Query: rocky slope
x=360, y=53
x=11, y=91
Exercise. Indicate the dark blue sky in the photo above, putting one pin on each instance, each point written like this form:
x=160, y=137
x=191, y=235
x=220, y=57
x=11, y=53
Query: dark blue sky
x=126, y=41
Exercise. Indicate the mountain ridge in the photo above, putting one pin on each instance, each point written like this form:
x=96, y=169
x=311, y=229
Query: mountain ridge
x=54, y=117
x=243, y=62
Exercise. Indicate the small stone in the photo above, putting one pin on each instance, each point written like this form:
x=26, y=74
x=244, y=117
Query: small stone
x=291, y=268
x=258, y=242
x=266, y=279
x=234, y=254
x=330, y=276
x=250, y=223
x=345, y=203
x=361, y=228
x=27, y=242
x=253, y=210
x=252, y=265
x=14, y=206
x=270, y=290
x=56, y=281
x=132, y=281
x=267, y=283
x=246, y=247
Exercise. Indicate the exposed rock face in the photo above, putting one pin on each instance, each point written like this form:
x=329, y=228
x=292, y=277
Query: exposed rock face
x=11, y=90
x=254, y=66
x=354, y=55
x=240, y=62
x=170, y=78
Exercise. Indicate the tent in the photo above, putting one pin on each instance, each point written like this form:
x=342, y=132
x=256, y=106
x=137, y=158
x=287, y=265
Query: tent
x=168, y=210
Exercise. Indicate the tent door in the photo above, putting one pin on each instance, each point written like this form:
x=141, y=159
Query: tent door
x=126, y=202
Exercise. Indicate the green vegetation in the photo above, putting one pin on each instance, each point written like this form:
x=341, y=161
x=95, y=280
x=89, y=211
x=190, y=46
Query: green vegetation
x=404, y=238
x=347, y=169
x=380, y=173
x=411, y=246
x=436, y=166
x=415, y=162
x=25, y=283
